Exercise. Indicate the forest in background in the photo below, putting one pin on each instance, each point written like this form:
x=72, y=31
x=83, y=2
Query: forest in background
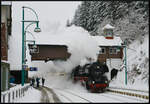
x=131, y=22
x=130, y=18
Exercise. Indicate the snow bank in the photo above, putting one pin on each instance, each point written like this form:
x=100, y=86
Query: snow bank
x=138, y=67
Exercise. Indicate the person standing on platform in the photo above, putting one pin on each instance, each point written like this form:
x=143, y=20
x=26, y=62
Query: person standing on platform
x=38, y=81
x=43, y=80
x=33, y=81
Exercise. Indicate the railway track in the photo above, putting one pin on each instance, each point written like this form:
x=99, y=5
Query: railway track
x=70, y=96
x=69, y=99
x=54, y=98
x=108, y=95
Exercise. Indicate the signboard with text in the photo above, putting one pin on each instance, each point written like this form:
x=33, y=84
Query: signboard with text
x=33, y=69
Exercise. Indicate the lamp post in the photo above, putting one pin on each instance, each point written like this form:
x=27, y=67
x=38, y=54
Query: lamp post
x=33, y=41
x=37, y=29
x=125, y=59
x=125, y=62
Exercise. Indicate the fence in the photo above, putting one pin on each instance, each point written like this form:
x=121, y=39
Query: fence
x=11, y=96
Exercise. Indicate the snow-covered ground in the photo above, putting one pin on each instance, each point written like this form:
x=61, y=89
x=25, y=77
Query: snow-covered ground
x=70, y=92
x=81, y=46
x=137, y=62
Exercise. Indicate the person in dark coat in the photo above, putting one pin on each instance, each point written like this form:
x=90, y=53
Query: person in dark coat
x=43, y=80
x=38, y=81
x=114, y=73
x=32, y=81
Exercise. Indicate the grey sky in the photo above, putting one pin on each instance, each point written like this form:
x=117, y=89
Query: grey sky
x=48, y=11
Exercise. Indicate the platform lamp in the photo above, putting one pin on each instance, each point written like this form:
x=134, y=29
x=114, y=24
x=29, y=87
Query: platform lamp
x=37, y=29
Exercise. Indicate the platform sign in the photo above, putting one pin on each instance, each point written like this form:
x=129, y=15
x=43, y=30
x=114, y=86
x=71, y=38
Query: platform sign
x=25, y=66
x=33, y=69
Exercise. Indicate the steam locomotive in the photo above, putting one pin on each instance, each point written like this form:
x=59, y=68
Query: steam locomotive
x=92, y=76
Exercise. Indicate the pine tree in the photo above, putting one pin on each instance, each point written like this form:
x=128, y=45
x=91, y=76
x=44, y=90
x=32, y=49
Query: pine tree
x=129, y=17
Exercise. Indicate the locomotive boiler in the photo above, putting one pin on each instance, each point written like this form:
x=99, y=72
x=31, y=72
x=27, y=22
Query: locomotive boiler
x=92, y=76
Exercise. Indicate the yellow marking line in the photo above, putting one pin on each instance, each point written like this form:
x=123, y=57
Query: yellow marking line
x=130, y=94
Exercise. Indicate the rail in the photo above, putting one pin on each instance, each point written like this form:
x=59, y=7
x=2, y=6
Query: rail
x=74, y=95
x=11, y=96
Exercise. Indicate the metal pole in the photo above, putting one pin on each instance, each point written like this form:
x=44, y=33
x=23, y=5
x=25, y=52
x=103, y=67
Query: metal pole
x=125, y=63
x=22, y=72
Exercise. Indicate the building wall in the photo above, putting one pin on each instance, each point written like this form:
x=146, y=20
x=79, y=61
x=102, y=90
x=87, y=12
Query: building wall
x=113, y=63
x=4, y=48
x=5, y=27
x=5, y=68
x=107, y=55
x=51, y=51
x=5, y=30
x=112, y=60
x=5, y=13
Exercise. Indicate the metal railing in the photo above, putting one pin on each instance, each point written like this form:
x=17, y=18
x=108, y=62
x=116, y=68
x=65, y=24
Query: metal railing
x=11, y=96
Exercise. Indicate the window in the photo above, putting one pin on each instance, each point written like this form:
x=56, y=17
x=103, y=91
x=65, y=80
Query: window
x=112, y=50
x=109, y=33
x=102, y=51
x=34, y=50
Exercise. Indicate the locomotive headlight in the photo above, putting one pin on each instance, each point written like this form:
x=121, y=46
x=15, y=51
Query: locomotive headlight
x=93, y=82
x=97, y=66
x=106, y=81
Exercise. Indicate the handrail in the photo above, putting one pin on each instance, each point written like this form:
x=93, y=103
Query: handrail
x=129, y=89
x=12, y=95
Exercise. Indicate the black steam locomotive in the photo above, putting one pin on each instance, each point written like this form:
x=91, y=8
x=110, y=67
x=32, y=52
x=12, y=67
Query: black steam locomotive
x=92, y=76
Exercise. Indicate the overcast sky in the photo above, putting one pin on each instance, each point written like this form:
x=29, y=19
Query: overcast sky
x=48, y=11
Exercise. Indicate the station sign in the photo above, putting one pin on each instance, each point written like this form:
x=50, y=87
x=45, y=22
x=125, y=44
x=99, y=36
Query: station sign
x=33, y=69
x=25, y=66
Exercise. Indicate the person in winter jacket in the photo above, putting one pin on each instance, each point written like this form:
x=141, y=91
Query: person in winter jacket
x=43, y=80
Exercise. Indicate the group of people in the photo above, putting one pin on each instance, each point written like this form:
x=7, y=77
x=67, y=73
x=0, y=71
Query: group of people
x=37, y=79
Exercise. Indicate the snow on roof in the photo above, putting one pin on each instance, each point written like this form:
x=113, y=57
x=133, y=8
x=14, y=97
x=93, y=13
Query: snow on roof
x=6, y=3
x=102, y=41
x=108, y=26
